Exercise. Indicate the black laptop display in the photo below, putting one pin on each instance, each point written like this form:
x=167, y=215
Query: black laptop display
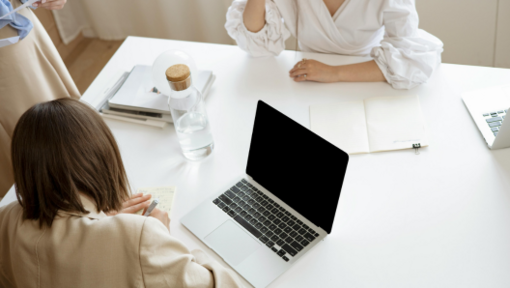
x=296, y=165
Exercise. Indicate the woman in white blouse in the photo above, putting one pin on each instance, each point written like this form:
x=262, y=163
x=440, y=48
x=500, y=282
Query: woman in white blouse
x=387, y=30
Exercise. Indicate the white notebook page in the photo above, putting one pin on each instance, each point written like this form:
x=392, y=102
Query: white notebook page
x=394, y=123
x=342, y=124
x=164, y=194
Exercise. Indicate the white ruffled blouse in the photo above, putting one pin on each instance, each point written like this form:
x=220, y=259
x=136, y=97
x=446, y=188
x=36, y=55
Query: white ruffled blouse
x=387, y=30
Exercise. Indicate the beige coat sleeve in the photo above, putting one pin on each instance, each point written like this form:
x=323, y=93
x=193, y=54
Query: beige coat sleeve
x=166, y=262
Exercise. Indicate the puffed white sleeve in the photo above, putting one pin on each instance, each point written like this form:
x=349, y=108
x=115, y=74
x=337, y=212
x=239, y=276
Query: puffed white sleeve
x=269, y=41
x=407, y=55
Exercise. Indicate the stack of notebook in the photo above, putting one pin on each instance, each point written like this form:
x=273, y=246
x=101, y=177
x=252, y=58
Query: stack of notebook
x=133, y=97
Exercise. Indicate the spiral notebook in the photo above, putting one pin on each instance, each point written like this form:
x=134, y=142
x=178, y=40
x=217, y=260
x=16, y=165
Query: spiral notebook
x=373, y=125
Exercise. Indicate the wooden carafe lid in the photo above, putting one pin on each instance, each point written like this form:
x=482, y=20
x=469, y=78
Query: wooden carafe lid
x=178, y=72
x=179, y=77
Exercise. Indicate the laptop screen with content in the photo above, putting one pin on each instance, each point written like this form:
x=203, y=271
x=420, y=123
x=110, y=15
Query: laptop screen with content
x=296, y=165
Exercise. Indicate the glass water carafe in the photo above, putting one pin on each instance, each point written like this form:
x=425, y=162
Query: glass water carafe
x=189, y=114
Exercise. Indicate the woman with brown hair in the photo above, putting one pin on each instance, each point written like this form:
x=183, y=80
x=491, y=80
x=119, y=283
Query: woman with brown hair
x=69, y=177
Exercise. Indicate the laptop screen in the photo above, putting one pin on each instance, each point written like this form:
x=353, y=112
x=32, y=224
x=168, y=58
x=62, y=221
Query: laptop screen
x=296, y=165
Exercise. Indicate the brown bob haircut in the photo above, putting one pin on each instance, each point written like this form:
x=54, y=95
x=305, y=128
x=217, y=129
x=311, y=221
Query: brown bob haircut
x=62, y=148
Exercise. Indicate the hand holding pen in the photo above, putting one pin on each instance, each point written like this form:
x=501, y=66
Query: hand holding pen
x=158, y=214
x=151, y=207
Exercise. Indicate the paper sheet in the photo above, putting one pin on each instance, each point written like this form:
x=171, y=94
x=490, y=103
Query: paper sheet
x=28, y=3
x=164, y=194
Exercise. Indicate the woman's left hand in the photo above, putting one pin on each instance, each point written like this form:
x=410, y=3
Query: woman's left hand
x=50, y=4
x=136, y=203
x=311, y=70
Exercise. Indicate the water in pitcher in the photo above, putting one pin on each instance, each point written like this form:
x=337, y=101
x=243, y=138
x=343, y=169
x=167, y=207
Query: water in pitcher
x=194, y=134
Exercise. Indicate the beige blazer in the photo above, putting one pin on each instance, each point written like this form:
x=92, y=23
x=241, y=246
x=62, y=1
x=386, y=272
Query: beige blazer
x=31, y=71
x=96, y=250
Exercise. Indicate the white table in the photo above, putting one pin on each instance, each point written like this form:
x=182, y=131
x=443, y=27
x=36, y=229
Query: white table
x=438, y=219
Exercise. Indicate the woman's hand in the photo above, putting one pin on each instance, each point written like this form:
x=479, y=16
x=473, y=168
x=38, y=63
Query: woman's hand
x=161, y=216
x=50, y=4
x=311, y=70
x=136, y=203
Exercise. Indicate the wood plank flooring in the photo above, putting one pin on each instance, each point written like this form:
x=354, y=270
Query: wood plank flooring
x=88, y=59
x=48, y=22
x=84, y=57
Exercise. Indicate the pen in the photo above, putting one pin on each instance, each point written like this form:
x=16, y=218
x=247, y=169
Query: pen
x=151, y=207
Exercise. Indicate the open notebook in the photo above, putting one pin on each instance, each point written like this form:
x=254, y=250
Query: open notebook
x=164, y=194
x=372, y=125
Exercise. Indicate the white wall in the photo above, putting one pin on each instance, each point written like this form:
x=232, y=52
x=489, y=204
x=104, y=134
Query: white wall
x=466, y=27
x=502, y=57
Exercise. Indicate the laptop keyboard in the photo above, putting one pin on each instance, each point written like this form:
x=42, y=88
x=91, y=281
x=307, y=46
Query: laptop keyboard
x=494, y=119
x=270, y=223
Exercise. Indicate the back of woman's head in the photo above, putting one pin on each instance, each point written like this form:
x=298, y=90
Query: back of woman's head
x=62, y=148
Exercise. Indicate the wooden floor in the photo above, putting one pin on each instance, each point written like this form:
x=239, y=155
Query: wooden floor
x=84, y=57
x=88, y=59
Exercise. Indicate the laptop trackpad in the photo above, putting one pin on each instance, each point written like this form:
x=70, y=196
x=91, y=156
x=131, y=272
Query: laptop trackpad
x=232, y=242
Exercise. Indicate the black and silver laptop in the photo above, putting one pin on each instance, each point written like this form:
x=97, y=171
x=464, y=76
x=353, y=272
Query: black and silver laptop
x=285, y=204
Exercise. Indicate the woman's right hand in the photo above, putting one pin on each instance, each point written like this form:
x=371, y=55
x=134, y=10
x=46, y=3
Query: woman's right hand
x=161, y=216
